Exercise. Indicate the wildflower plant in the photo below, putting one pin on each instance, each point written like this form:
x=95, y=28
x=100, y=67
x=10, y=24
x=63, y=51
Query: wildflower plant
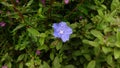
x=30, y=29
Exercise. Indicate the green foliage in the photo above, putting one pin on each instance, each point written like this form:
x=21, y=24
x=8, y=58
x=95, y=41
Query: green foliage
x=91, y=64
x=95, y=42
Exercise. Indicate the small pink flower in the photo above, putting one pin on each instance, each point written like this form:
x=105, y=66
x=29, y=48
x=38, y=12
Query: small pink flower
x=81, y=17
x=4, y=66
x=2, y=24
x=17, y=1
x=66, y=1
x=38, y=52
x=43, y=2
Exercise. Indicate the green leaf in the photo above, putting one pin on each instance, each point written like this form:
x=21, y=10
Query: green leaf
x=116, y=53
x=74, y=25
x=118, y=35
x=76, y=53
x=41, y=40
x=100, y=12
x=103, y=6
x=92, y=43
x=83, y=10
x=21, y=65
x=97, y=2
x=29, y=3
x=59, y=45
x=54, y=43
x=43, y=35
x=97, y=34
x=9, y=64
x=23, y=45
x=118, y=38
x=117, y=44
x=69, y=66
x=40, y=13
x=30, y=64
x=52, y=55
x=4, y=57
x=87, y=56
x=43, y=47
x=56, y=63
x=33, y=31
x=106, y=49
x=101, y=25
x=7, y=4
x=91, y=64
x=115, y=4
x=97, y=50
x=21, y=57
x=18, y=27
x=45, y=65
x=108, y=29
x=110, y=60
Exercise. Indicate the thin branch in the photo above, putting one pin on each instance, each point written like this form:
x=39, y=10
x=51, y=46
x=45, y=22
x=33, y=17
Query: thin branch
x=16, y=10
x=74, y=9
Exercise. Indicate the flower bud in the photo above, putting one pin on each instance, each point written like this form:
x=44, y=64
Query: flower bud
x=66, y=1
x=38, y=52
x=4, y=66
x=2, y=24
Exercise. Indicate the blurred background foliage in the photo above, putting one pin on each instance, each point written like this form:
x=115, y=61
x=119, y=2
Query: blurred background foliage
x=95, y=42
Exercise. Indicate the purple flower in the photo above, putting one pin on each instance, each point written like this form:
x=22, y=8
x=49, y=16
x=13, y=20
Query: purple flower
x=43, y=2
x=38, y=52
x=66, y=1
x=61, y=30
x=81, y=17
x=17, y=1
x=2, y=24
x=4, y=66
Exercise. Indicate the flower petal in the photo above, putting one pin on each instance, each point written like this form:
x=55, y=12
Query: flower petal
x=68, y=30
x=65, y=38
x=55, y=25
x=62, y=24
x=56, y=34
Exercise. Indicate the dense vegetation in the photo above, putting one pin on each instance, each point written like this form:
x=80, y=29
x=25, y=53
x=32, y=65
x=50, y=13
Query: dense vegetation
x=27, y=40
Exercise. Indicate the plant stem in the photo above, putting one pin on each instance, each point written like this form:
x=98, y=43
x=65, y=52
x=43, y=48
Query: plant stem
x=74, y=9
